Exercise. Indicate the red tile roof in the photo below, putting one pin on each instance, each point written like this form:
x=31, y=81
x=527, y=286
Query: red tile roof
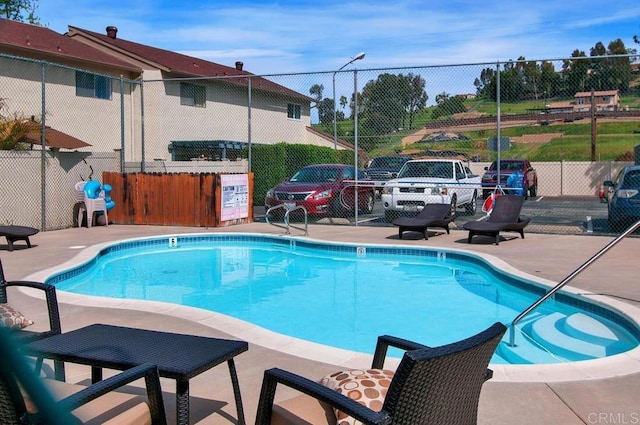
x=596, y=93
x=40, y=40
x=182, y=64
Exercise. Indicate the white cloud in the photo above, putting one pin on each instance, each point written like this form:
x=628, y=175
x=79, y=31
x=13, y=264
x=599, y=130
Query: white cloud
x=287, y=36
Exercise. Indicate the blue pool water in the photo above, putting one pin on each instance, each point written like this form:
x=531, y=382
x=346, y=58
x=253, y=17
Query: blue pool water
x=346, y=295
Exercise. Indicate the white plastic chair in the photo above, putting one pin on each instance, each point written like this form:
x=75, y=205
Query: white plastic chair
x=90, y=205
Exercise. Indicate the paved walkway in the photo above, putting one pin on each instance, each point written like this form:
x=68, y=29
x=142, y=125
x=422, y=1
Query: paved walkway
x=614, y=400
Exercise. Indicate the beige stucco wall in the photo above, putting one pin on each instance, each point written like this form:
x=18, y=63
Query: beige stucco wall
x=225, y=116
x=98, y=121
x=95, y=121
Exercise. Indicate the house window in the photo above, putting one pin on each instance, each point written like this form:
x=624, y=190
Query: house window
x=293, y=111
x=92, y=85
x=193, y=95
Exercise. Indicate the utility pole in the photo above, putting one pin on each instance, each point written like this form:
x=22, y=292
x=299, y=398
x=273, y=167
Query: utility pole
x=594, y=126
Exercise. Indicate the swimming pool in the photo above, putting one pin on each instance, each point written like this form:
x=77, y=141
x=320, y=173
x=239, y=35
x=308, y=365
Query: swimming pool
x=351, y=293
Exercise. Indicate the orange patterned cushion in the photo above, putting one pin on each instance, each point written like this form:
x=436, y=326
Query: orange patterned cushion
x=368, y=387
x=12, y=318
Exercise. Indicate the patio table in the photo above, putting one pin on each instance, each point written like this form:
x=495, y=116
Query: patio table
x=177, y=356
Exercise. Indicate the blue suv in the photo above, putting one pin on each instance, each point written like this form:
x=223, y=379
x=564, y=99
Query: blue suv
x=623, y=198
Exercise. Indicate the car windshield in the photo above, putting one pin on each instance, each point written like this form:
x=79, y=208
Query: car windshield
x=436, y=169
x=632, y=179
x=391, y=163
x=316, y=175
x=507, y=166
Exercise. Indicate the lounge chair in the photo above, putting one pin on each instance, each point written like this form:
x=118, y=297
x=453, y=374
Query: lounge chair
x=438, y=385
x=27, y=398
x=17, y=233
x=18, y=323
x=432, y=215
x=505, y=217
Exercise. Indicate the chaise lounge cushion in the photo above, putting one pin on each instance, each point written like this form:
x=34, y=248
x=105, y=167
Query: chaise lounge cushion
x=12, y=318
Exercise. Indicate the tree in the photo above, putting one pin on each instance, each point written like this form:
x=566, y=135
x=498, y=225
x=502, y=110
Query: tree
x=343, y=101
x=618, y=70
x=485, y=85
x=549, y=80
x=447, y=105
x=390, y=99
x=20, y=10
x=575, y=73
x=324, y=106
x=417, y=95
x=316, y=91
x=442, y=97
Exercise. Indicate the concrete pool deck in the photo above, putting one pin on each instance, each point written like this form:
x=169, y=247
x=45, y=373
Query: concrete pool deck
x=615, y=399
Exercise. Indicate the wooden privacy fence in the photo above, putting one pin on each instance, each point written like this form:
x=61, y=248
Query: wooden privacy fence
x=170, y=199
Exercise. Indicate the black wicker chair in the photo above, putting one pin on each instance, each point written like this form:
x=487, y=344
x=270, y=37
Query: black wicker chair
x=438, y=385
x=25, y=335
x=505, y=217
x=25, y=399
x=432, y=215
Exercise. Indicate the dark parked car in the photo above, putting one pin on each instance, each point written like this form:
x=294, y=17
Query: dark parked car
x=324, y=190
x=525, y=185
x=384, y=168
x=623, y=198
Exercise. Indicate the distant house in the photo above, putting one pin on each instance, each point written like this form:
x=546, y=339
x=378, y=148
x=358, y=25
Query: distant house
x=560, y=107
x=189, y=103
x=75, y=100
x=607, y=100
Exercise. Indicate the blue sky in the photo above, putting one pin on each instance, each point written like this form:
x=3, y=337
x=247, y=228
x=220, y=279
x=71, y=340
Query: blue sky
x=302, y=36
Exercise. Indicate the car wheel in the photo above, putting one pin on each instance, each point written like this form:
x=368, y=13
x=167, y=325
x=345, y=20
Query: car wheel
x=471, y=207
x=454, y=206
x=533, y=191
x=526, y=192
x=368, y=208
x=336, y=208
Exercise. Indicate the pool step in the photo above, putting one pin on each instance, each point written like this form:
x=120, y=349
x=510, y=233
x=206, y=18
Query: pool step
x=574, y=337
x=582, y=326
x=551, y=331
x=525, y=351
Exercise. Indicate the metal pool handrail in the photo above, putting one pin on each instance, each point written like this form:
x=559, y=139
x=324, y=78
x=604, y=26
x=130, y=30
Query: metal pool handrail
x=287, y=225
x=569, y=278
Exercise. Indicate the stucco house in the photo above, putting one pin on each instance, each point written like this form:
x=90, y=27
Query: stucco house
x=30, y=87
x=605, y=100
x=117, y=94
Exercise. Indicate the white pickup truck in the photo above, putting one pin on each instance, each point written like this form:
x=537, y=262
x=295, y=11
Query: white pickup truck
x=431, y=181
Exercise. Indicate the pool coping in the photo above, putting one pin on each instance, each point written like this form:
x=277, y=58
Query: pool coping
x=613, y=366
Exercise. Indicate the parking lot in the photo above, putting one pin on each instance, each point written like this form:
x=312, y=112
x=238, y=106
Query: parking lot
x=558, y=215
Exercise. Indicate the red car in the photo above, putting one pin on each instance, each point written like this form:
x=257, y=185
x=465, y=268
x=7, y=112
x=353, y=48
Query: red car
x=324, y=190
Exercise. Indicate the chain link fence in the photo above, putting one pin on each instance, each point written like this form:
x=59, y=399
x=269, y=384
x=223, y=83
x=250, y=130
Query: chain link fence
x=573, y=124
